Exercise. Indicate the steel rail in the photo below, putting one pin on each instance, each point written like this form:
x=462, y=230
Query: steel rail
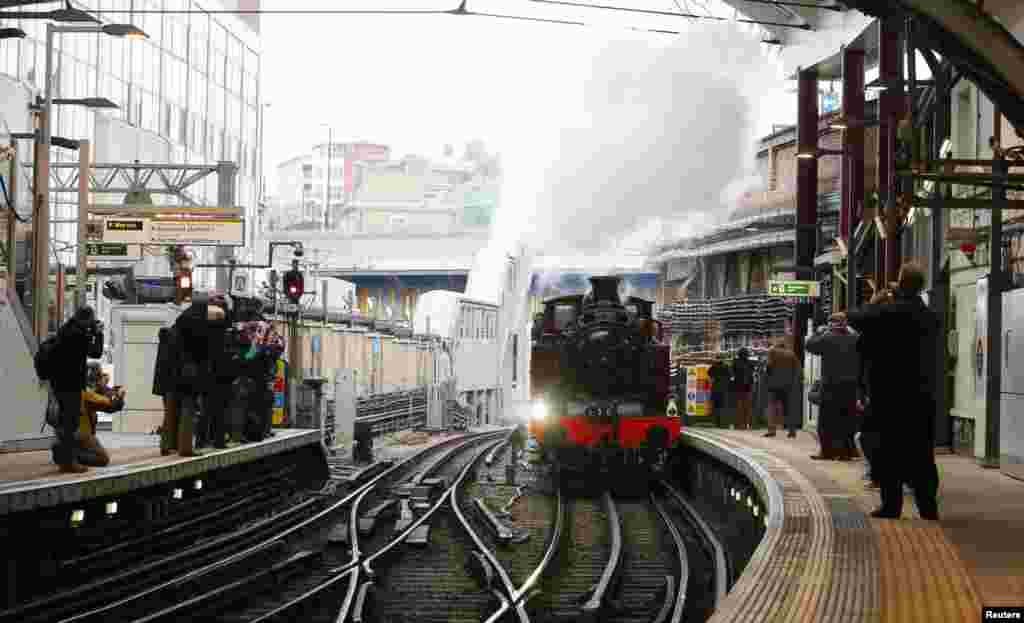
x=84, y=560
x=491, y=558
x=495, y=450
x=717, y=550
x=30, y=611
x=684, y=561
x=350, y=569
x=254, y=549
x=525, y=591
x=592, y=607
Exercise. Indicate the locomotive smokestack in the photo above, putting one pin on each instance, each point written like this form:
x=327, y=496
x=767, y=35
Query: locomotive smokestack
x=644, y=308
x=605, y=289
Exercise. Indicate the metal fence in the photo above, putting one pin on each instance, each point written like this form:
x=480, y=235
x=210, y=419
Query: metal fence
x=393, y=411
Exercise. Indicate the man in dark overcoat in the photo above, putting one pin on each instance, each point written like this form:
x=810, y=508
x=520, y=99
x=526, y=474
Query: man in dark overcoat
x=903, y=392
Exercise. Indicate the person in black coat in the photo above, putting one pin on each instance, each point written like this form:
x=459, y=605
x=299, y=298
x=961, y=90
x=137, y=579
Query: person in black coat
x=903, y=391
x=840, y=374
x=168, y=363
x=868, y=435
x=200, y=328
x=79, y=338
x=743, y=387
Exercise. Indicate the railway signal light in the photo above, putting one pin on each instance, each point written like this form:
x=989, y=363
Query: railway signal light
x=294, y=286
x=182, y=286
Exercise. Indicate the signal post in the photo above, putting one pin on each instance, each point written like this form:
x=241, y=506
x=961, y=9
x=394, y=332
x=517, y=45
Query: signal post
x=294, y=289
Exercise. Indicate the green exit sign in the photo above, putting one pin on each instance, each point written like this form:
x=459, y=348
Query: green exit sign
x=112, y=250
x=796, y=289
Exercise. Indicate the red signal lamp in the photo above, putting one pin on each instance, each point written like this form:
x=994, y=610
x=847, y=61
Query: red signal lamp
x=968, y=249
x=294, y=286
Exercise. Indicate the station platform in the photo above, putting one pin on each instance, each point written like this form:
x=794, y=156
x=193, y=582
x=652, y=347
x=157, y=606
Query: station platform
x=30, y=481
x=832, y=562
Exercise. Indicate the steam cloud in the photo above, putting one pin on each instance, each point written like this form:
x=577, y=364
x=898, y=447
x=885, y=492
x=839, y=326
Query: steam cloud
x=639, y=142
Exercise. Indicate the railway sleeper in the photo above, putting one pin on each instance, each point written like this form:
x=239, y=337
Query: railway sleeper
x=501, y=532
x=385, y=510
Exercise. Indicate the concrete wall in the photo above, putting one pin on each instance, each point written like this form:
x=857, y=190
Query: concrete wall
x=24, y=399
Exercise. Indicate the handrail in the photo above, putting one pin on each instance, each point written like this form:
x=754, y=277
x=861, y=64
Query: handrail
x=684, y=561
x=596, y=601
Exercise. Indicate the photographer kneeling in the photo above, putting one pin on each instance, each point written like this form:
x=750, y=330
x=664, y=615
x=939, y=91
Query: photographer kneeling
x=97, y=396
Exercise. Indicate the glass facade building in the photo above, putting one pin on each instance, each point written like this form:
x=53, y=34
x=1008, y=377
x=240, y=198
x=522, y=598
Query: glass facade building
x=192, y=87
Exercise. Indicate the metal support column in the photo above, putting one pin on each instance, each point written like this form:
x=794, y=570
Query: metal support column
x=889, y=101
x=853, y=171
x=996, y=278
x=12, y=220
x=938, y=295
x=806, y=194
x=226, y=174
x=41, y=236
x=81, y=269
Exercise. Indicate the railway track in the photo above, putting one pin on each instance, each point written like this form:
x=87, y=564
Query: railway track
x=317, y=581
x=437, y=578
x=710, y=574
x=165, y=588
x=653, y=561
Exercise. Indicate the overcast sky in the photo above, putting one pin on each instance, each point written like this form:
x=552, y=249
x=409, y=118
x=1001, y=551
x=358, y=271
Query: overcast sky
x=418, y=82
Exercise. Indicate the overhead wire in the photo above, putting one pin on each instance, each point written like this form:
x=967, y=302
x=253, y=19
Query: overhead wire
x=461, y=9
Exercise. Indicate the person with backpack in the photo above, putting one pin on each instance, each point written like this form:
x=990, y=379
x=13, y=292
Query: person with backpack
x=61, y=360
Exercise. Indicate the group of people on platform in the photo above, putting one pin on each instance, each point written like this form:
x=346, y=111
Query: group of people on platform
x=214, y=370
x=214, y=378
x=876, y=392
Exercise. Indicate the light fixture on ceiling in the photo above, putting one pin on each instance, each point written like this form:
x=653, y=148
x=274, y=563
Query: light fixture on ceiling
x=128, y=31
x=72, y=15
x=12, y=33
x=88, y=102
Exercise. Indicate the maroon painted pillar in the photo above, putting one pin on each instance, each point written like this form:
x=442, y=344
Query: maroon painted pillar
x=889, y=104
x=806, y=195
x=853, y=161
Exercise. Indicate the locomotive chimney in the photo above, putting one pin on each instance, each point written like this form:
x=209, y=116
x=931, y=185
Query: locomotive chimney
x=644, y=308
x=605, y=289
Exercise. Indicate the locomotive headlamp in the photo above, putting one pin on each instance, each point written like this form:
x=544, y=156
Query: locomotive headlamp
x=540, y=410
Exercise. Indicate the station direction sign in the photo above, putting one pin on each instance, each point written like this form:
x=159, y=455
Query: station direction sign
x=226, y=232
x=202, y=229
x=112, y=251
x=794, y=289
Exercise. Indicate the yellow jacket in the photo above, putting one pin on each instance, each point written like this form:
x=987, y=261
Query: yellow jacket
x=92, y=403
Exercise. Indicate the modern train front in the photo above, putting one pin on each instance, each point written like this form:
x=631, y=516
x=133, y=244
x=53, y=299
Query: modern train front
x=606, y=405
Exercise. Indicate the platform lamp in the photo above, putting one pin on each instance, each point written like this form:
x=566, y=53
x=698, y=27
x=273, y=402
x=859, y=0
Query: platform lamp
x=42, y=195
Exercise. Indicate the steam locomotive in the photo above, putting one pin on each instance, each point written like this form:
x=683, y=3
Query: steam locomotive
x=600, y=383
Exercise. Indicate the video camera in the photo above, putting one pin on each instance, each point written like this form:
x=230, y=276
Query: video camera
x=85, y=321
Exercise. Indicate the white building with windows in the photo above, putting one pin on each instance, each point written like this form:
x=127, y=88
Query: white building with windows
x=190, y=93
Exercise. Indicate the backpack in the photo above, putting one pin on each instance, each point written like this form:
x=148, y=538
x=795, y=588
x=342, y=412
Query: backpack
x=44, y=358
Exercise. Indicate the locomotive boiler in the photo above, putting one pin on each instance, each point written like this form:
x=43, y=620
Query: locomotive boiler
x=600, y=383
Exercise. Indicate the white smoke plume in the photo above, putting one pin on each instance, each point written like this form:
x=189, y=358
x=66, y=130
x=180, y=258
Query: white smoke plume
x=636, y=143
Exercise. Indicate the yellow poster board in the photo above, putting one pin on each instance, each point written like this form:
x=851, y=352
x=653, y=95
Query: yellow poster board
x=697, y=390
